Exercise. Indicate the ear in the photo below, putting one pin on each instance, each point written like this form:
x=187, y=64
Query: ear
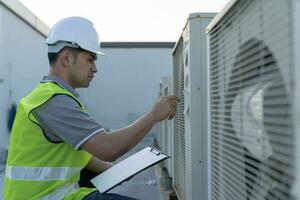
x=66, y=58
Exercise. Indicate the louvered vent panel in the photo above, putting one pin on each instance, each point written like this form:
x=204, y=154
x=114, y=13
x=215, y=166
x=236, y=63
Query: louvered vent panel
x=168, y=136
x=165, y=123
x=251, y=124
x=179, y=126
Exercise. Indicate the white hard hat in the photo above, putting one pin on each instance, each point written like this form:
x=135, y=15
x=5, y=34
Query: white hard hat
x=73, y=32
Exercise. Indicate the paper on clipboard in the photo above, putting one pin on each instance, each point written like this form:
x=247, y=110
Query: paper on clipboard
x=127, y=168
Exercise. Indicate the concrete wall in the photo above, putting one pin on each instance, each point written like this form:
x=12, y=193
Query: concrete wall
x=127, y=82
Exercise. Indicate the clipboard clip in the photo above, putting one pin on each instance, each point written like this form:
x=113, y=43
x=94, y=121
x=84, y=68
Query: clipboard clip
x=155, y=151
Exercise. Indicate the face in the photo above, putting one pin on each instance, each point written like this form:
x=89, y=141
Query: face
x=82, y=69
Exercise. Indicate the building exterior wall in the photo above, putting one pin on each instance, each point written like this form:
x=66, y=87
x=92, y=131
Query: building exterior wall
x=23, y=61
x=126, y=84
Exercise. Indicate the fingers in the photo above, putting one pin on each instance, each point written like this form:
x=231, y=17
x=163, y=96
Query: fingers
x=174, y=103
x=165, y=107
x=173, y=98
x=172, y=115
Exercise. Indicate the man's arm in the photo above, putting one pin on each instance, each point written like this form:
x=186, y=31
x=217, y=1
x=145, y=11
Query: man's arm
x=97, y=166
x=110, y=146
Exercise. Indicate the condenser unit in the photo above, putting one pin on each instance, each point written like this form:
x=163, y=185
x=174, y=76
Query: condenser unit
x=255, y=100
x=190, y=122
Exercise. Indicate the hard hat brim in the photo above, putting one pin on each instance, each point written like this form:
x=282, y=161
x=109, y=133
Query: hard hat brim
x=101, y=53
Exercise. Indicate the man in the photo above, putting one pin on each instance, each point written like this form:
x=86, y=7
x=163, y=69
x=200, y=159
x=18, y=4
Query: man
x=53, y=138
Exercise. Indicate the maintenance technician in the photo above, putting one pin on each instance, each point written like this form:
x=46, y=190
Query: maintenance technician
x=53, y=138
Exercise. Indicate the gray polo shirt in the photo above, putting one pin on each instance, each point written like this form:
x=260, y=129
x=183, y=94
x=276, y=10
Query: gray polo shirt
x=62, y=119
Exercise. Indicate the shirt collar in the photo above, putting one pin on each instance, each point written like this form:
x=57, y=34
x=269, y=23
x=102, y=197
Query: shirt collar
x=61, y=83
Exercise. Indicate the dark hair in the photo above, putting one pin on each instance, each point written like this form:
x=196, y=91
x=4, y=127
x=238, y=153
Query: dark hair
x=52, y=57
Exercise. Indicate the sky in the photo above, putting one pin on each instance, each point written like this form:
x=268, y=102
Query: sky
x=127, y=20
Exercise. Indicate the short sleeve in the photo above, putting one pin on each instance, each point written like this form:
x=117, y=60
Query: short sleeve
x=62, y=119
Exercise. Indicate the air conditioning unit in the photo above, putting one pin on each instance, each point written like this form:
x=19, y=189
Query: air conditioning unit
x=255, y=100
x=166, y=128
x=190, y=84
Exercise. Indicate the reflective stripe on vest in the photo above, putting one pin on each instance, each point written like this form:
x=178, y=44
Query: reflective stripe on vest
x=40, y=173
x=61, y=192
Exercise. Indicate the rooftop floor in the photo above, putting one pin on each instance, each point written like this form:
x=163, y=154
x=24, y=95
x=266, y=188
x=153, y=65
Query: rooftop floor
x=144, y=185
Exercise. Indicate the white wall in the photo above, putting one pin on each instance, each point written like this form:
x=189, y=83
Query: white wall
x=127, y=83
x=23, y=60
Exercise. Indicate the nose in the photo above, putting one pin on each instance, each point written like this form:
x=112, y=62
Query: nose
x=94, y=68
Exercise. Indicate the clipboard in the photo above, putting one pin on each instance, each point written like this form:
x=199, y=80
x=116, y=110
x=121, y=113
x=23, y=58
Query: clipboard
x=127, y=168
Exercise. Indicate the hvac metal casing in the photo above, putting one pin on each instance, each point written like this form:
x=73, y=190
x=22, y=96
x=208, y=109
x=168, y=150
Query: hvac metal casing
x=190, y=122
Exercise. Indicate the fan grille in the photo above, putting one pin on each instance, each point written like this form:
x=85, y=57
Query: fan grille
x=251, y=124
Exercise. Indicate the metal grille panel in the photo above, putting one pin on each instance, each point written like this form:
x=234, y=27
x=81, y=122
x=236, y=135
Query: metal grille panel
x=251, y=124
x=179, y=121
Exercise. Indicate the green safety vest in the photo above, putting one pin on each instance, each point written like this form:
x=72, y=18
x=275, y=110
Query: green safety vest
x=37, y=168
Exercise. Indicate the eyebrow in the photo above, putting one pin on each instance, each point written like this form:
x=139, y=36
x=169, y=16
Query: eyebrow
x=94, y=56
